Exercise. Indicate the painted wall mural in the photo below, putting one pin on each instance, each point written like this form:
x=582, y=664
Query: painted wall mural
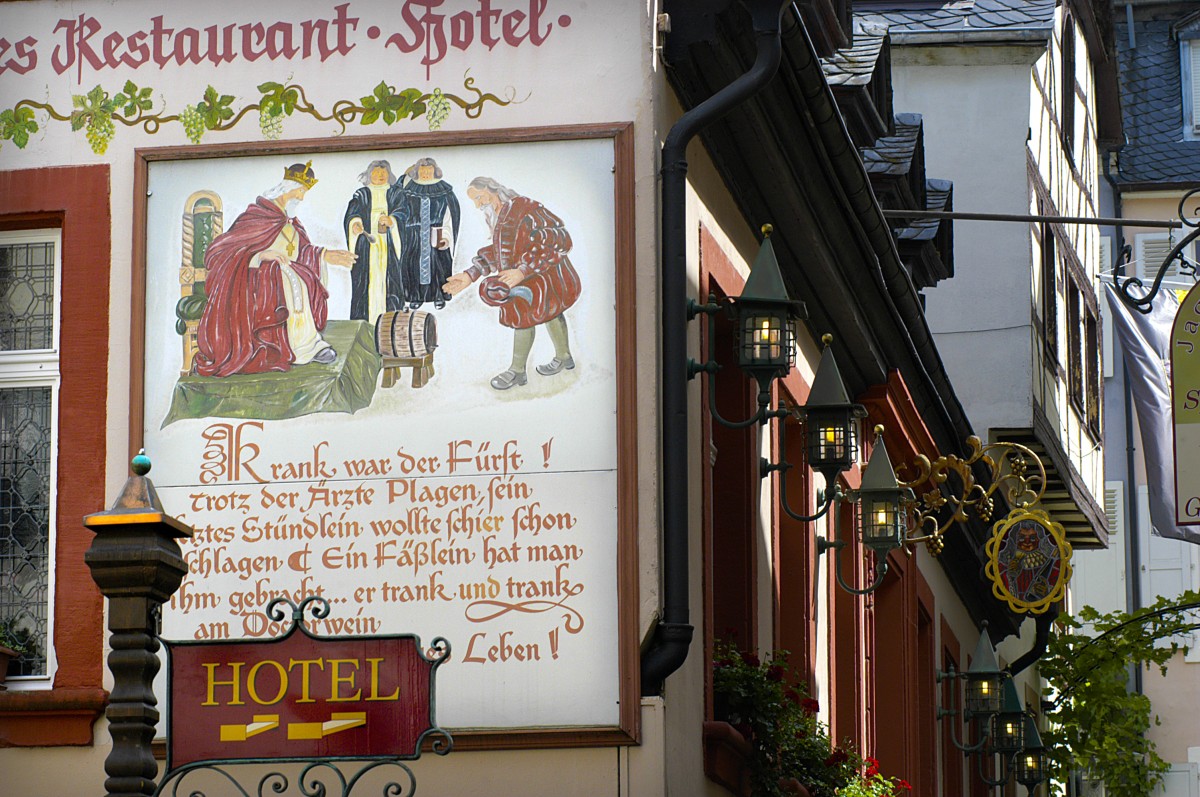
x=389, y=377
x=84, y=47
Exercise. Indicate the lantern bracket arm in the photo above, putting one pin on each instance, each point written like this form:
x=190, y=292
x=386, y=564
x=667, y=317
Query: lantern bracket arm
x=760, y=416
x=711, y=367
x=833, y=490
x=831, y=496
x=954, y=711
x=1145, y=302
x=694, y=308
x=1009, y=759
x=881, y=566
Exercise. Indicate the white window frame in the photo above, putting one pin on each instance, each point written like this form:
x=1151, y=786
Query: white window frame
x=40, y=368
x=1189, y=63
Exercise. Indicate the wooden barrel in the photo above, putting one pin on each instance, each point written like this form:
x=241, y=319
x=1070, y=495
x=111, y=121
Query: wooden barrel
x=402, y=334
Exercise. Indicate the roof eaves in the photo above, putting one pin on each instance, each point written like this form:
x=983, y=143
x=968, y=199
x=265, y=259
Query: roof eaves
x=1039, y=35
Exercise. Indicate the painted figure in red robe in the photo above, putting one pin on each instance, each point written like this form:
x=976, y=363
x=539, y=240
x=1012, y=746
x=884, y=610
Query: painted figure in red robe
x=266, y=303
x=525, y=272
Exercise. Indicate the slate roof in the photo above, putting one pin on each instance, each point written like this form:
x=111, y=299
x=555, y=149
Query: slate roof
x=854, y=65
x=920, y=16
x=937, y=193
x=1152, y=106
x=894, y=154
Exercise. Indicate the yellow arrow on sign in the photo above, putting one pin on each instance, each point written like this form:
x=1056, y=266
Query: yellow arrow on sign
x=319, y=730
x=240, y=733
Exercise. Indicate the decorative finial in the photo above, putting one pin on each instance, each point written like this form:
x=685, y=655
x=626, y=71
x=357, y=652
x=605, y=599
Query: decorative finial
x=141, y=463
x=767, y=229
x=879, y=429
x=827, y=339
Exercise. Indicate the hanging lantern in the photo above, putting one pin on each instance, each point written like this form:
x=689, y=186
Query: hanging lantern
x=882, y=521
x=766, y=318
x=830, y=420
x=1031, y=761
x=984, y=679
x=1008, y=726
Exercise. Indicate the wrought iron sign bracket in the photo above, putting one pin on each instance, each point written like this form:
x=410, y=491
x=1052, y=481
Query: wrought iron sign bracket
x=1145, y=302
x=355, y=771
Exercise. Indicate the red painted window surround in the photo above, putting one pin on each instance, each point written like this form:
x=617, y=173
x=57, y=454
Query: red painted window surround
x=75, y=199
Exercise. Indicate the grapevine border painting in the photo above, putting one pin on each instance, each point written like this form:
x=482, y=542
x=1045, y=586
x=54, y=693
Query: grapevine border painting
x=542, y=504
x=98, y=111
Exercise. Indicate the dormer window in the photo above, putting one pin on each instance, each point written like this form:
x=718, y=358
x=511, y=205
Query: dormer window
x=1191, y=89
x=1189, y=57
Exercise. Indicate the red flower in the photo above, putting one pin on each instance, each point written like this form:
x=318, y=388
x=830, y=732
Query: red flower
x=904, y=784
x=750, y=659
x=775, y=673
x=792, y=695
x=838, y=756
x=810, y=705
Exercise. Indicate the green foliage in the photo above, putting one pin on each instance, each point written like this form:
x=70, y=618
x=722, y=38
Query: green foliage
x=16, y=124
x=780, y=723
x=94, y=111
x=132, y=100
x=872, y=784
x=19, y=640
x=386, y=103
x=215, y=108
x=1096, y=724
x=133, y=106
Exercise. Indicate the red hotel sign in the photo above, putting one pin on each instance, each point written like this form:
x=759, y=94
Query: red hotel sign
x=301, y=697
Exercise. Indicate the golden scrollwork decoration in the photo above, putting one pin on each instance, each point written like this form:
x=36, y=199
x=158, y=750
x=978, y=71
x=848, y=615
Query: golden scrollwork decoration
x=954, y=492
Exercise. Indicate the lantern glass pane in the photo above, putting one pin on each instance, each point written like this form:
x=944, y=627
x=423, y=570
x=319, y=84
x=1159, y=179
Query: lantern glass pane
x=983, y=694
x=880, y=521
x=764, y=339
x=1029, y=768
x=830, y=439
x=1008, y=732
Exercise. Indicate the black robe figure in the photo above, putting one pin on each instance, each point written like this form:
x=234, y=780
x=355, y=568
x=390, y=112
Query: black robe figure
x=372, y=229
x=428, y=215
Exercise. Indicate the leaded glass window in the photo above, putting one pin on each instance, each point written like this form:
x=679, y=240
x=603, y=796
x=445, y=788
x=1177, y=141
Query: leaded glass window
x=25, y=522
x=28, y=386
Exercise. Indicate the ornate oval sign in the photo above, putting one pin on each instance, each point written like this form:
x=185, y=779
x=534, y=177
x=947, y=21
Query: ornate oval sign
x=1029, y=560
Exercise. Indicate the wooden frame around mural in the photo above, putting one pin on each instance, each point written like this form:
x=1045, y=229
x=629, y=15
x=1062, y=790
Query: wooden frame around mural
x=627, y=731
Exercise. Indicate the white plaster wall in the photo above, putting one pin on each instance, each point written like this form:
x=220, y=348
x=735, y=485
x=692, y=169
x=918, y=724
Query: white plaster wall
x=974, y=102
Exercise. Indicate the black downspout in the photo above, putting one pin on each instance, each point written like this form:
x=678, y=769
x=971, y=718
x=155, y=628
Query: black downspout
x=673, y=634
x=1041, y=641
x=1133, y=553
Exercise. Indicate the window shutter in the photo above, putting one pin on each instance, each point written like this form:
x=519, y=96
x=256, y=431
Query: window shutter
x=1150, y=249
x=1098, y=579
x=1114, y=508
x=1166, y=566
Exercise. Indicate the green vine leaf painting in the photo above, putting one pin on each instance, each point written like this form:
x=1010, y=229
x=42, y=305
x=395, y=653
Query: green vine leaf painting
x=97, y=112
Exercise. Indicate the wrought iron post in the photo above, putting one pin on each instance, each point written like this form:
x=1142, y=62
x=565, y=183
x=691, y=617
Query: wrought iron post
x=136, y=562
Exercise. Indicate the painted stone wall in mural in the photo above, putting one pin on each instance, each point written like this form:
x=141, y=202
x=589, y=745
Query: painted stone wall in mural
x=388, y=377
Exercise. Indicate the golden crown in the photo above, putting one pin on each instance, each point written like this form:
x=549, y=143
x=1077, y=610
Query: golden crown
x=301, y=174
